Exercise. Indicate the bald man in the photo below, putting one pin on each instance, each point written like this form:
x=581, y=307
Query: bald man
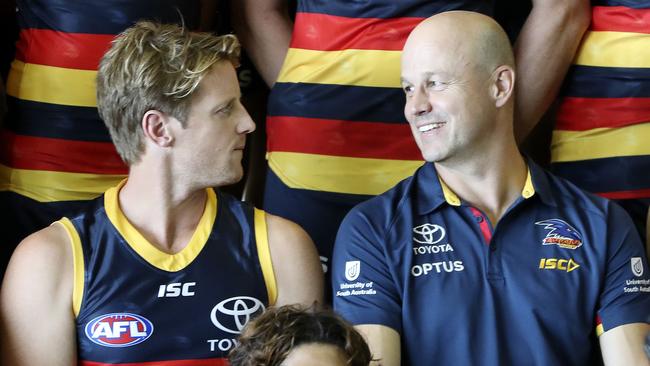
x=482, y=257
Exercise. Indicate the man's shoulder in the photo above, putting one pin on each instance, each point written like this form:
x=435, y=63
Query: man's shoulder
x=389, y=203
x=569, y=196
x=43, y=256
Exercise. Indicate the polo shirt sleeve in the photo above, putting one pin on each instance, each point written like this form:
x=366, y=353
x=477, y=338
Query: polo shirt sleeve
x=625, y=297
x=364, y=290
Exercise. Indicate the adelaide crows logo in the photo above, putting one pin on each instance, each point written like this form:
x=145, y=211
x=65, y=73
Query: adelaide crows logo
x=561, y=234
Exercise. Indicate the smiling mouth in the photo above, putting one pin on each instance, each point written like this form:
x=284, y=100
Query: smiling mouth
x=430, y=126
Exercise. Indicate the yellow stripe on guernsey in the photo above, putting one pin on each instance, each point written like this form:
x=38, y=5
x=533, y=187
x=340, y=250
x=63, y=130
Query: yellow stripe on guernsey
x=54, y=85
x=155, y=257
x=347, y=67
x=600, y=330
x=264, y=254
x=340, y=174
x=600, y=143
x=623, y=50
x=78, y=264
x=47, y=186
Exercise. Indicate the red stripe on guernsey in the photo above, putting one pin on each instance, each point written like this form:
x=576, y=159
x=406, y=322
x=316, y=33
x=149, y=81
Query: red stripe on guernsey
x=342, y=138
x=41, y=153
x=580, y=114
x=620, y=19
x=200, y=362
x=329, y=32
x=483, y=224
x=69, y=50
x=623, y=195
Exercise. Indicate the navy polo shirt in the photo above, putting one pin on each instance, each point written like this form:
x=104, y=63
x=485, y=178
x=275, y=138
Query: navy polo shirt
x=560, y=267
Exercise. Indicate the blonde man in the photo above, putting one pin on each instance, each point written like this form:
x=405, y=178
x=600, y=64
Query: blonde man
x=162, y=267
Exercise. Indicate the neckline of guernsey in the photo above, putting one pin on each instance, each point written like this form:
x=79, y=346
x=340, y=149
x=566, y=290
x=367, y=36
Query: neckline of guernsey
x=154, y=256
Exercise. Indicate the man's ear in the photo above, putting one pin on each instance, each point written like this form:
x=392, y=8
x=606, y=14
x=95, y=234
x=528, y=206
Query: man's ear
x=156, y=128
x=503, y=85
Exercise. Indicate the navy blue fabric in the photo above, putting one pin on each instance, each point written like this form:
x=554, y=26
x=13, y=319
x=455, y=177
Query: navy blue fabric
x=391, y=8
x=118, y=280
x=362, y=103
x=607, y=82
x=456, y=299
x=103, y=17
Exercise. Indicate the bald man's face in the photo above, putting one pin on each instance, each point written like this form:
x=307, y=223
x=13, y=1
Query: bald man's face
x=447, y=96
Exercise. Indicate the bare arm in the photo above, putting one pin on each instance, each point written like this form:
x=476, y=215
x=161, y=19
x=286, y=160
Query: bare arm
x=544, y=50
x=298, y=273
x=384, y=344
x=623, y=345
x=37, y=324
x=264, y=28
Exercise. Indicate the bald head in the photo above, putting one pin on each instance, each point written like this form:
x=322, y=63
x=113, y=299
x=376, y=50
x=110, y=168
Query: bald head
x=458, y=77
x=469, y=38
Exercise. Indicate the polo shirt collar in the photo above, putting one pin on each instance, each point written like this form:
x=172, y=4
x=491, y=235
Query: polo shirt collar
x=432, y=191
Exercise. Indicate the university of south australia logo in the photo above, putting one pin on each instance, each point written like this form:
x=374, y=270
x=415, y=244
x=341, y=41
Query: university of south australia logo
x=637, y=266
x=561, y=234
x=352, y=270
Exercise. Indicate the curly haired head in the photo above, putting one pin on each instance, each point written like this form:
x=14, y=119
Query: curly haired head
x=153, y=66
x=268, y=340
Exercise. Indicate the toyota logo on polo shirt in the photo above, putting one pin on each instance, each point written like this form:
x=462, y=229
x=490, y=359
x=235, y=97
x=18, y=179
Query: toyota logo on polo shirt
x=428, y=234
x=231, y=315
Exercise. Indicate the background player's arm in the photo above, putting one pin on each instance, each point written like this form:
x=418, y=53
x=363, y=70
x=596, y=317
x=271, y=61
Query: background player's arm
x=297, y=268
x=543, y=51
x=264, y=28
x=623, y=345
x=384, y=344
x=37, y=324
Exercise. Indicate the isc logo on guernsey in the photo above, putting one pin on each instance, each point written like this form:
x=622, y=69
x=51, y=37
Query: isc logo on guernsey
x=119, y=329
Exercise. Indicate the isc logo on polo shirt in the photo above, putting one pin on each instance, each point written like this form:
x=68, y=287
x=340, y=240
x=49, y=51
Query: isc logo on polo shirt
x=560, y=264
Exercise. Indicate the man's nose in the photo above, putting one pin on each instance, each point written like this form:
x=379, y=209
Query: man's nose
x=420, y=104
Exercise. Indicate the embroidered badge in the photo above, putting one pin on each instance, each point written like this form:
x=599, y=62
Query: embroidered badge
x=561, y=234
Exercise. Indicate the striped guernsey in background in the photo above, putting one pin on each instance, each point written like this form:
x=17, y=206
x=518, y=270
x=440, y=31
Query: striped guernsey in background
x=335, y=120
x=602, y=135
x=55, y=151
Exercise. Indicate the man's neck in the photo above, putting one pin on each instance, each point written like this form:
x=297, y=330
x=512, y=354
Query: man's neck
x=164, y=213
x=491, y=186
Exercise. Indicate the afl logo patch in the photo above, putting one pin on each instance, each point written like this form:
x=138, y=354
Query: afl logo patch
x=119, y=329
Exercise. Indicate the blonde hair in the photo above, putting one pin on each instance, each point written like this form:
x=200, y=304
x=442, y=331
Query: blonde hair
x=154, y=66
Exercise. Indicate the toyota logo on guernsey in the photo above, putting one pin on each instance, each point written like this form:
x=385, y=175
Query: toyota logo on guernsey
x=119, y=329
x=428, y=234
x=231, y=315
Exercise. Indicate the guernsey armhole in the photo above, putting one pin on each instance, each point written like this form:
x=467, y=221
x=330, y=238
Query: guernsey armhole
x=78, y=263
x=264, y=254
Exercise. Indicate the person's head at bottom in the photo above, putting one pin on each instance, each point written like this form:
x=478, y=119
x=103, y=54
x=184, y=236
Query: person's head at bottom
x=292, y=335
